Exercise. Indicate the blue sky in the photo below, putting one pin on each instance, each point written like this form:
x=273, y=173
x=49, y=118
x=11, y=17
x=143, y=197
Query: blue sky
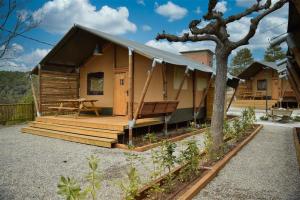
x=138, y=20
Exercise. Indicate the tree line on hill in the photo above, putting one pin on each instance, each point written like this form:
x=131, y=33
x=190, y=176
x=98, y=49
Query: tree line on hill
x=15, y=87
x=244, y=58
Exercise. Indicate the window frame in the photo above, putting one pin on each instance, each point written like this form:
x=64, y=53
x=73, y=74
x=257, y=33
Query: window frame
x=90, y=76
x=258, y=85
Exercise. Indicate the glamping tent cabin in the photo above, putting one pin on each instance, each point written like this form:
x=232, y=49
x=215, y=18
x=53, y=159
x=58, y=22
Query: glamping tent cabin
x=132, y=85
x=261, y=81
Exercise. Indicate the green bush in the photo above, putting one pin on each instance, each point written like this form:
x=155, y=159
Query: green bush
x=69, y=189
x=190, y=159
x=130, y=187
x=264, y=118
x=296, y=118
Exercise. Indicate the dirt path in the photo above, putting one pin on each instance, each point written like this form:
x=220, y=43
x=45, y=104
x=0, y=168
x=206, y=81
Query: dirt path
x=264, y=169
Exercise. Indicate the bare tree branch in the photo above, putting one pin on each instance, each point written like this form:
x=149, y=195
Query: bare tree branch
x=22, y=24
x=255, y=8
x=211, y=13
x=187, y=37
x=254, y=23
x=208, y=29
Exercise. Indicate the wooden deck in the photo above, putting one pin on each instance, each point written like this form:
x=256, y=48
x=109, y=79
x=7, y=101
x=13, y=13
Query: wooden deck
x=257, y=104
x=100, y=131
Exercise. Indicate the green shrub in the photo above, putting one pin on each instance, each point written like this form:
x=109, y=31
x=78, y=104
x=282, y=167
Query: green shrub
x=69, y=189
x=238, y=129
x=296, y=118
x=130, y=187
x=264, y=118
x=190, y=158
x=228, y=130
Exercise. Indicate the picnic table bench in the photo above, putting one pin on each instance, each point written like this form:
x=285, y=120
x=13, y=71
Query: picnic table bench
x=78, y=105
x=282, y=113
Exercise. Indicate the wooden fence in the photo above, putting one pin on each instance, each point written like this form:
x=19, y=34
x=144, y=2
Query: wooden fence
x=16, y=112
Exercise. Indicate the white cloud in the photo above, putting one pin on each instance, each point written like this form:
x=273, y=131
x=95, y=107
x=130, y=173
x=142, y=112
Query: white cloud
x=271, y=26
x=146, y=28
x=171, y=10
x=221, y=7
x=58, y=16
x=20, y=61
x=176, y=47
x=245, y=3
x=198, y=10
x=141, y=2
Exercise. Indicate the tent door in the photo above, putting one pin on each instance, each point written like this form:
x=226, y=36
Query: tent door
x=120, y=94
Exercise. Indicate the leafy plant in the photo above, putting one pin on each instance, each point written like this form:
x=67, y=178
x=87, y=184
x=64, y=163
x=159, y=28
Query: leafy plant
x=93, y=177
x=167, y=162
x=151, y=137
x=69, y=189
x=264, y=118
x=168, y=159
x=131, y=187
x=238, y=129
x=296, y=118
x=228, y=130
x=190, y=159
x=208, y=145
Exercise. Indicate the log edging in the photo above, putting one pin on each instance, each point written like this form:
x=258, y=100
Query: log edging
x=153, y=145
x=195, y=189
x=174, y=139
x=297, y=144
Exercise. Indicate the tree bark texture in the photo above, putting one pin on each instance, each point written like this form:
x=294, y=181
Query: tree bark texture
x=219, y=99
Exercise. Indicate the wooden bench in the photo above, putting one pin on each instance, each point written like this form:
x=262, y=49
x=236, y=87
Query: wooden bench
x=157, y=108
x=283, y=114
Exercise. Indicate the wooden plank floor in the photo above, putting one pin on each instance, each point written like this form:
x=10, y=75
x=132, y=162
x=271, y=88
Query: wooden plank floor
x=100, y=131
x=103, y=122
x=258, y=104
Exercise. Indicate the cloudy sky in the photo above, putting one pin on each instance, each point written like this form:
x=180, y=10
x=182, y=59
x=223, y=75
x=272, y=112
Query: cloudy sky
x=138, y=20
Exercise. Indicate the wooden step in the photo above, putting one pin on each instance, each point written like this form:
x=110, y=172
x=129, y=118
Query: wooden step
x=105, y=133
x=80, y=123
x=97, y=141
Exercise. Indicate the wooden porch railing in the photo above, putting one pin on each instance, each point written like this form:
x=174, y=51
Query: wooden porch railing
x=16, y=112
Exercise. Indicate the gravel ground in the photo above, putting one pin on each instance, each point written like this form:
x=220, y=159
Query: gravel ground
x=266, y=168
x=30, y=165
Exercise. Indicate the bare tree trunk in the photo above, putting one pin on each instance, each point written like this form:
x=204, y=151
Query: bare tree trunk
x=219, y=99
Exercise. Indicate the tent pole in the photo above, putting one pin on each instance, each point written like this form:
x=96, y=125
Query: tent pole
x=231, y=99
x=34, y=97
x=186, y=74
x=130, y=92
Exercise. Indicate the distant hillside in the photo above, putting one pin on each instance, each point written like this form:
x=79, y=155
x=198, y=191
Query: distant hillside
x=14, y=87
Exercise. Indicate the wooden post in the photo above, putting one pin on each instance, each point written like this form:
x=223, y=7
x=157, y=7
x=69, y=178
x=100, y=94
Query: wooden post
x=146, y=86
x=204, y=95
x=130, y=84
x=34, y=98
x=130, y=92
x=231, y=99
x=181, y=84
x=165, y=94
x=165, y=86
x=40, y=88
x=194, y=96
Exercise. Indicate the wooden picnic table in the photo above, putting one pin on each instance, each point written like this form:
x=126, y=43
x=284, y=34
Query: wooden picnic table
x=78, y=105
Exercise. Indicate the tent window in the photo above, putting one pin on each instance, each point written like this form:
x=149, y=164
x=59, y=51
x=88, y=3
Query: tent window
x=178, y=76
x=262, y=84
x=95, y=83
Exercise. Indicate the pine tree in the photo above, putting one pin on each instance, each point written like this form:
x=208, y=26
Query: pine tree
x=241, y=60
x=273, y=54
